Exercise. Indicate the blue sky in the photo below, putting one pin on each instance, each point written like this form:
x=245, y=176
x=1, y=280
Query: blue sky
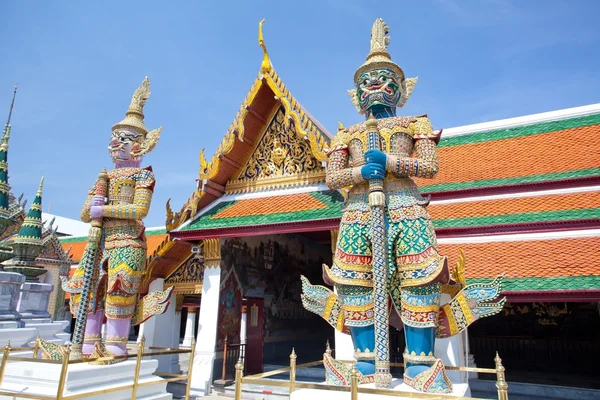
x=77, y=64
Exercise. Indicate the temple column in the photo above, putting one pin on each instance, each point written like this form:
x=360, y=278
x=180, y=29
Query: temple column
x=189, y=327
x=158, y=329
x=344, y=349
x=206, y=340
x=243, y=322
x=174, y=367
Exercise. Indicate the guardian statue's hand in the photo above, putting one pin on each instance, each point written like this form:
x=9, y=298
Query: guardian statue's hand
x=376, y=157
x=96, y=212
x=97, y=201
x=372, y=171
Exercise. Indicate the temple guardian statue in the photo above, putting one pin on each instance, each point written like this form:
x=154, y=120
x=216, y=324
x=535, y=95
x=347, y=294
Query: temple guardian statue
x=108, y=278
x=386, y=262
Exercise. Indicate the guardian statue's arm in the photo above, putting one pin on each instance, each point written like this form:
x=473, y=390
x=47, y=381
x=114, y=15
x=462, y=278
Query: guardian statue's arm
x=339, y=174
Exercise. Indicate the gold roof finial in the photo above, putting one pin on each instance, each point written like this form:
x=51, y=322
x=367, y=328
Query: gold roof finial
x=265, y=66
x=6, y=133
x=39, y=191
x=12, y=104
x=134, y=117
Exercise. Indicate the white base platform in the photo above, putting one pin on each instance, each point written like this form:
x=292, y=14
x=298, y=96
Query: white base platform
x=460, y=390
x=42, y=379
x=18, y=337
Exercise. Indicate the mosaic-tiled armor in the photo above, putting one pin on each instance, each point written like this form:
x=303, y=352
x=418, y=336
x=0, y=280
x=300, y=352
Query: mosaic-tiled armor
x=118, y=202
x=390, y=151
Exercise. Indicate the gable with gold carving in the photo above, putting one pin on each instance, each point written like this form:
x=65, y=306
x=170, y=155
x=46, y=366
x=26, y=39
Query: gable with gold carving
x=280, y=152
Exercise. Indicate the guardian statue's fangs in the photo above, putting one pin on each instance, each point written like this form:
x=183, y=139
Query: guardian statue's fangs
x=386, y=262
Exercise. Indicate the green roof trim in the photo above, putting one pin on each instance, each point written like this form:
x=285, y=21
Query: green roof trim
x=540, y=216
x=591, y=282
x=331, y=198
x=521, y=131
x=75, y=239
x=519, y=180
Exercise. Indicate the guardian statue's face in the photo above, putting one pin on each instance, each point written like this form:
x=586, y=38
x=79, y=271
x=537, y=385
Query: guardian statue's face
x=125, y=146
x=378, y=87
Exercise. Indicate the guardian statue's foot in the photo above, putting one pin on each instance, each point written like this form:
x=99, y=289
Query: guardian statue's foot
x=100, y=351
x=430, y=380
x=340, y=373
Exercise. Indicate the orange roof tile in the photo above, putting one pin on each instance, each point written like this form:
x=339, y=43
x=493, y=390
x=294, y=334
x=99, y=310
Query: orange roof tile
x=525, y=259
x=470, y=209
x=77, y=248
x=270, y=205
x=551, y=152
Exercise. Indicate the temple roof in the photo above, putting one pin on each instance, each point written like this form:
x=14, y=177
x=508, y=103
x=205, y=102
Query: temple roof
x=76, y=244
x=268, y=102
x=261, y=215
x=555, y=148
x=535, y=266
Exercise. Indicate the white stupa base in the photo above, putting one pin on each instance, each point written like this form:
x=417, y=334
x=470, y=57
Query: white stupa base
x=18, y=337
x=43, y=379
x=460, y=390
x=48, y=330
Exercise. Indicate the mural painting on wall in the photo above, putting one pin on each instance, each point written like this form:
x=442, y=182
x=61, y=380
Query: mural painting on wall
x=230, y=308
x=269, y=267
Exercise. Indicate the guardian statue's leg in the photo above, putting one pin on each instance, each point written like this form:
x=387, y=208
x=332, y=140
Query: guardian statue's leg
x=125, y=269
x=93, y=331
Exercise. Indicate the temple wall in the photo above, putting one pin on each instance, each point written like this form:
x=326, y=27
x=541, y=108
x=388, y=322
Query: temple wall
x=269, y=267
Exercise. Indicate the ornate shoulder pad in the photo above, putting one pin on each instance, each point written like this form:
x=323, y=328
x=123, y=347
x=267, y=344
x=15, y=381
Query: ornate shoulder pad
x=337, y=147
x=340, y=141
x=145, y=178
x=422, y=130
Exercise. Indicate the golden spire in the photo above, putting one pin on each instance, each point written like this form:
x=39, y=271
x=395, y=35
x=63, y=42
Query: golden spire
x=39, y=191
x=12, y=104
x=265, y=66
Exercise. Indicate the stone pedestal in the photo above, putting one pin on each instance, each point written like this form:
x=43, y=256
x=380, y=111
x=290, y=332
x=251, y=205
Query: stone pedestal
x=47, y=329
x=10, y=286
x=34, y=299
x=18, y=337
x=43, y=379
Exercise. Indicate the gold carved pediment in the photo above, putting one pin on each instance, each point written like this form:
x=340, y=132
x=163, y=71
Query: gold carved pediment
x=281, y=158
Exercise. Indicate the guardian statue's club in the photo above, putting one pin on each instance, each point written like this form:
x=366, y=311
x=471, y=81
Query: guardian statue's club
x=386, y=263
x=107, y=281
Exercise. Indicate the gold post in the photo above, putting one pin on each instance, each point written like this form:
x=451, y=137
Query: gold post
x=5, y=354
x=63, y=373
x=189, y=373
x=293, y=370
x=354, y=382
x=238, y=379
x=224, y=358
x=501, y=384
x=138, y=363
